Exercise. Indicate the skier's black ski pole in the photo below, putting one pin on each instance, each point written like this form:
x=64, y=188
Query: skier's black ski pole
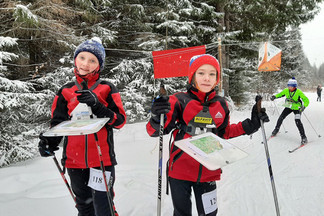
x=110, y=202
x=268, y=157
x=279, y=115
x=63, y=177
x=159, y=196
x=312, y=125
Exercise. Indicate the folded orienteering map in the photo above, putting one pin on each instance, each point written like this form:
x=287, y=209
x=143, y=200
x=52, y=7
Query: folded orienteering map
x=210, y=150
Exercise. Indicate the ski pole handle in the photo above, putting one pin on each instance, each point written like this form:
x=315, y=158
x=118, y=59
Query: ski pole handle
x=258, y=100
x=261, y=111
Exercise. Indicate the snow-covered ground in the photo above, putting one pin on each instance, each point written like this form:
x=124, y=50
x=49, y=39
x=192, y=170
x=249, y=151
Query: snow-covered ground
x=35, y=187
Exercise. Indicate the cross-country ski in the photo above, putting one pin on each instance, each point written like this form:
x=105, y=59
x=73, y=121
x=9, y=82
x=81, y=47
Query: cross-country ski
x=295, y=149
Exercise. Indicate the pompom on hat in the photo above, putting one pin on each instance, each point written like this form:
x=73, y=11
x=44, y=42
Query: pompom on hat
x=199, y=60
x=292, y=82
x=95, y=47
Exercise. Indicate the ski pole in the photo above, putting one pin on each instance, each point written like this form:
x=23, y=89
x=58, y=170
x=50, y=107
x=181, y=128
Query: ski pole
x=279, y=115
x=110, y=202
x=159, y=196
x=311, y=125
x=63, y=177
x=160, y=164
x=268, y=157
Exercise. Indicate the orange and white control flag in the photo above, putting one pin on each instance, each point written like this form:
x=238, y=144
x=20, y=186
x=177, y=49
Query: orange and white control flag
x=269, y=57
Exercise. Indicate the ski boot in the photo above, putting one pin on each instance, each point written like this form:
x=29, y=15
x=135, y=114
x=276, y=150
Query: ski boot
x=275, y=131
x=304, y=140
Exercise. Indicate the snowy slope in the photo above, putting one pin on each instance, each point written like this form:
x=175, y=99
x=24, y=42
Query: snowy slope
x=35, y=188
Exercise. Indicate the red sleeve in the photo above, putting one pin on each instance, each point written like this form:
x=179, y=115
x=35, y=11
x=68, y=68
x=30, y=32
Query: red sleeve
x=233, y=130
x=119, y=119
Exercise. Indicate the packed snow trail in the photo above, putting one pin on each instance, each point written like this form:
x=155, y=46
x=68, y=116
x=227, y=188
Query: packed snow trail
x=35, y=187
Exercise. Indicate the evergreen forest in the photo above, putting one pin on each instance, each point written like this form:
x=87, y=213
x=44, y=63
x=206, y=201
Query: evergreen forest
x=38, y=39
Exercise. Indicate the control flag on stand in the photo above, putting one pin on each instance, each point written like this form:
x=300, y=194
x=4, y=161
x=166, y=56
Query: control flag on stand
x=269, y=57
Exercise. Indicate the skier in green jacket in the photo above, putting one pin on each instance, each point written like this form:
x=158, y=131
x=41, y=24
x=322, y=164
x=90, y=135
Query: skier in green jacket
x=296, y=102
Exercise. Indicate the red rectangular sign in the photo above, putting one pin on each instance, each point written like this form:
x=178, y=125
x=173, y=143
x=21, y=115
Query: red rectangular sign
x=175, y=62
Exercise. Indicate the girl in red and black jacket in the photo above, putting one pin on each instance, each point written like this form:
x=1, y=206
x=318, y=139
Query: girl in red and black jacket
x=181, y=110
x=80, y=152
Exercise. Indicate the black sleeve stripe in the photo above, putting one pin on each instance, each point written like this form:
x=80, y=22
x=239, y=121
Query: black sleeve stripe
x=222, y=127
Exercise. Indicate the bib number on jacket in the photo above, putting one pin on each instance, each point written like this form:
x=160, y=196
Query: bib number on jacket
x=96, y=180
x=209, y=201
x=287, y=104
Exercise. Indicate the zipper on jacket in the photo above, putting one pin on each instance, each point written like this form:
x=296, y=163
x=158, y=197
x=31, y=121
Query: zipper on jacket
x=199, y=173
x=86, y=151
x=175, y=158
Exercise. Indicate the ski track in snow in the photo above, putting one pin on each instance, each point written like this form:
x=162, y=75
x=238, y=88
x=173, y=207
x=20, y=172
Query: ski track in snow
x=35, y=187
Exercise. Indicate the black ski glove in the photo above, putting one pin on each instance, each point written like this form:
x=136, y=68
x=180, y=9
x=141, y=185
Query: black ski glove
x=161, y=105
x=91, y=99
x=102, y=112
x=87, y=97
x=252, y=125
x=47, y=145
x=273, y=98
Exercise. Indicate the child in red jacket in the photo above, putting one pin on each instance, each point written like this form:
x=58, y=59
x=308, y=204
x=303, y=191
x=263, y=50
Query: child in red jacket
x=80, y=153
x=180, y=109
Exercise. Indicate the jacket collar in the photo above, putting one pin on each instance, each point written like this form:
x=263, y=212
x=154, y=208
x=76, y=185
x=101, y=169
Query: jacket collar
x=89, y=79
x=201, y=96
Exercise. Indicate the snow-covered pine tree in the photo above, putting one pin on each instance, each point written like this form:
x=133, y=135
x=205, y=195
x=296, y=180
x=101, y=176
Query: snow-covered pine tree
x=5, y=55
x=19, y=108
x=134, y=78
x=320, y=73
x=25, y=112
x=179, y=24
x=248, y=22
x=293, y=58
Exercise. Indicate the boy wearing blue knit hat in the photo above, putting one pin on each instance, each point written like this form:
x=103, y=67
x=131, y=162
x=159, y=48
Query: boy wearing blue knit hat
x=296, y=102
x=80, y=152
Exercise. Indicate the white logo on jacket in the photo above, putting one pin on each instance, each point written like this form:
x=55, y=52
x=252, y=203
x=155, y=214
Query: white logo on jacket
x=219, y=115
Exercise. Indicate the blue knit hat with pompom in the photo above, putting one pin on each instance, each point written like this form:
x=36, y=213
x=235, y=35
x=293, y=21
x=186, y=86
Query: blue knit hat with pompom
x=95, y=47
x=292, y=82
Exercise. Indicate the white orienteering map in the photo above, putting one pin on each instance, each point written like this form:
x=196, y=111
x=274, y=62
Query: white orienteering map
x=77, y=127
x=210, y=150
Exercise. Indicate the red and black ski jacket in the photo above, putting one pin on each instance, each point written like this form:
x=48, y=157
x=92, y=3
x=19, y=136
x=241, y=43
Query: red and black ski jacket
x=184, y=107
x=81, y=151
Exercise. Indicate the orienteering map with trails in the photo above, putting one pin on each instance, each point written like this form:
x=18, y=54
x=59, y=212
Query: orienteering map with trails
x=207, y=144
x=210, y=150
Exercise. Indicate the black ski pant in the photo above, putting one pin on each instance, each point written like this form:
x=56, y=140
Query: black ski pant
x=298, y=122
x=319, y=97
x=181, y=194
x=89, y=201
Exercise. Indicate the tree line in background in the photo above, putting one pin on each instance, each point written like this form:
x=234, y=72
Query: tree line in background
x=38, y=37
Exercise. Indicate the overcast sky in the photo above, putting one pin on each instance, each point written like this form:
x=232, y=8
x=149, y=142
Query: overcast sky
x=313, y=38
